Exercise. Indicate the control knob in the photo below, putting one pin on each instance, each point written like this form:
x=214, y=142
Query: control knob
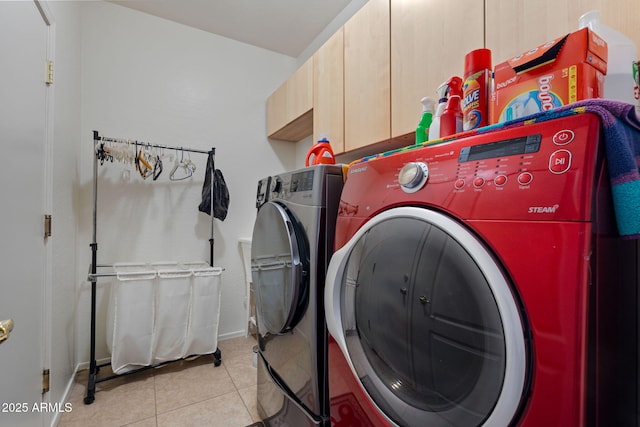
x=413, y=176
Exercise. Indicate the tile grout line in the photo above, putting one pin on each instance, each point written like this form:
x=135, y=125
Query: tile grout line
x=238, y=386
x=155, y=398
x=238, y=390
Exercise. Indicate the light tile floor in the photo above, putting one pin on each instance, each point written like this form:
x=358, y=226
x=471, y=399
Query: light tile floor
x=186, y=393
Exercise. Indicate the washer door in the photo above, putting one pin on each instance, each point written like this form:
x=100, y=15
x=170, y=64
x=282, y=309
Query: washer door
x=279, y=269
x=427, y=322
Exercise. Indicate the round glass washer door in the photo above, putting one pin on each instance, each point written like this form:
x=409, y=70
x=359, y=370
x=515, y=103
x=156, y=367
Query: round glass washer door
x=279, y=269
x=427, y=322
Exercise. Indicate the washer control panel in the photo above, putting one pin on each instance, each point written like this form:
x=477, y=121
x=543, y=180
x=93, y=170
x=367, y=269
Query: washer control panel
x=304, y=186
x=536, y=170
x=262, y=194
x=511, y=161
x=494, y=162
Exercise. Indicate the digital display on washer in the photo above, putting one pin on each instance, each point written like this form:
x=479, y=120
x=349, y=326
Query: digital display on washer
x=301, y=181
x=507, y=147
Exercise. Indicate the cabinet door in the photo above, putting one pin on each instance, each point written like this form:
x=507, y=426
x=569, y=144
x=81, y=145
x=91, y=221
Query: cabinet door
x=515, y=26
x=276, y=110
x=328, y=92
x=623, y=16
x=367, y=91
x=289, y=108
x=428, y=44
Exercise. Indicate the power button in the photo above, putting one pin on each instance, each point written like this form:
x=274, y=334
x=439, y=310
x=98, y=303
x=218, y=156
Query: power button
x=563, y=137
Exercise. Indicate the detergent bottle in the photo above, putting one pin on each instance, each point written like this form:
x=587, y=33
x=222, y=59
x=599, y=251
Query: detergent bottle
x=451, y=119
x=321, y=153
x=422, y=131
x=618, y=82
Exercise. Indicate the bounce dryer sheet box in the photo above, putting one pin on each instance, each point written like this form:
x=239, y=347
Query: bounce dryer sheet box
x=560, y=72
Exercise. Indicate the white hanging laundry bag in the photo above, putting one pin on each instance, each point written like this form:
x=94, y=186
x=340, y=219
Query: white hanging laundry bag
x=204, y=316
x=131, y=314
x=173, y=300
x=162, y=312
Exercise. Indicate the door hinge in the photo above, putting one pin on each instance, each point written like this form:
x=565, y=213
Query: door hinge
x=45, y=381
x=47, y=225
x=49, y=73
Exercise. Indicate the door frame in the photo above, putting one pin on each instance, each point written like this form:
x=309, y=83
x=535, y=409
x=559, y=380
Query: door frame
x=47, y=291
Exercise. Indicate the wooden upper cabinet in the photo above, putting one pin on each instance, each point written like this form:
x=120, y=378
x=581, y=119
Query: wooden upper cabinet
x=290, y=107
x=622, y=15
x=428, y=42
x=367, y=84
x=364, y=85
x=515, y=26
x=328, y=92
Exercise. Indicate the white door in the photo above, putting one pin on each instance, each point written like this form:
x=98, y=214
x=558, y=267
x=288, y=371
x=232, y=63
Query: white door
x=23, y=49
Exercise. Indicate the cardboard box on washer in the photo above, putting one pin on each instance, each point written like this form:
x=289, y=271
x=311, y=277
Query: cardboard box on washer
x=559, y=72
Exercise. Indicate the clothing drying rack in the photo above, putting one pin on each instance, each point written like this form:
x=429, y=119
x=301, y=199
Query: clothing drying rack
x=93, y=268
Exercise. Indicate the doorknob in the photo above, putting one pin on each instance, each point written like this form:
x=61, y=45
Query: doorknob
x=6, y=326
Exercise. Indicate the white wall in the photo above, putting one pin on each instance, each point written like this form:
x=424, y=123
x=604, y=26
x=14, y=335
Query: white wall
x=152, y=80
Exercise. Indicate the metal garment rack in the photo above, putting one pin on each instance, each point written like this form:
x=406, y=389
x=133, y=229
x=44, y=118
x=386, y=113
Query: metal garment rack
x=93, y=268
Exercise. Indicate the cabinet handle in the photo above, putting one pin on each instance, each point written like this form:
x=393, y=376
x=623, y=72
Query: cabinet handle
x=403, y=291
x=423, y=299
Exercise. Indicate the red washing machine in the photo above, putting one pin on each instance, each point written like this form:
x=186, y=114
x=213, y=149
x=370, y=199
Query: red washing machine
x=481, y=282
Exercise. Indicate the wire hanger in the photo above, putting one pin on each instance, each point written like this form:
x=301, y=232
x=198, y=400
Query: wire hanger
x=157, y=169
x=186, y=167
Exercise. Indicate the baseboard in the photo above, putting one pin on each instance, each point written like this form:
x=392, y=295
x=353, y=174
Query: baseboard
x=67, y=391
x=85, y=365
x=231, y=335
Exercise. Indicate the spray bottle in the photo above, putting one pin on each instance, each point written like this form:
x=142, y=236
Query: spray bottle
x=321, y=152
x=451, y=119
x=422, y=131
x=434, y=129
